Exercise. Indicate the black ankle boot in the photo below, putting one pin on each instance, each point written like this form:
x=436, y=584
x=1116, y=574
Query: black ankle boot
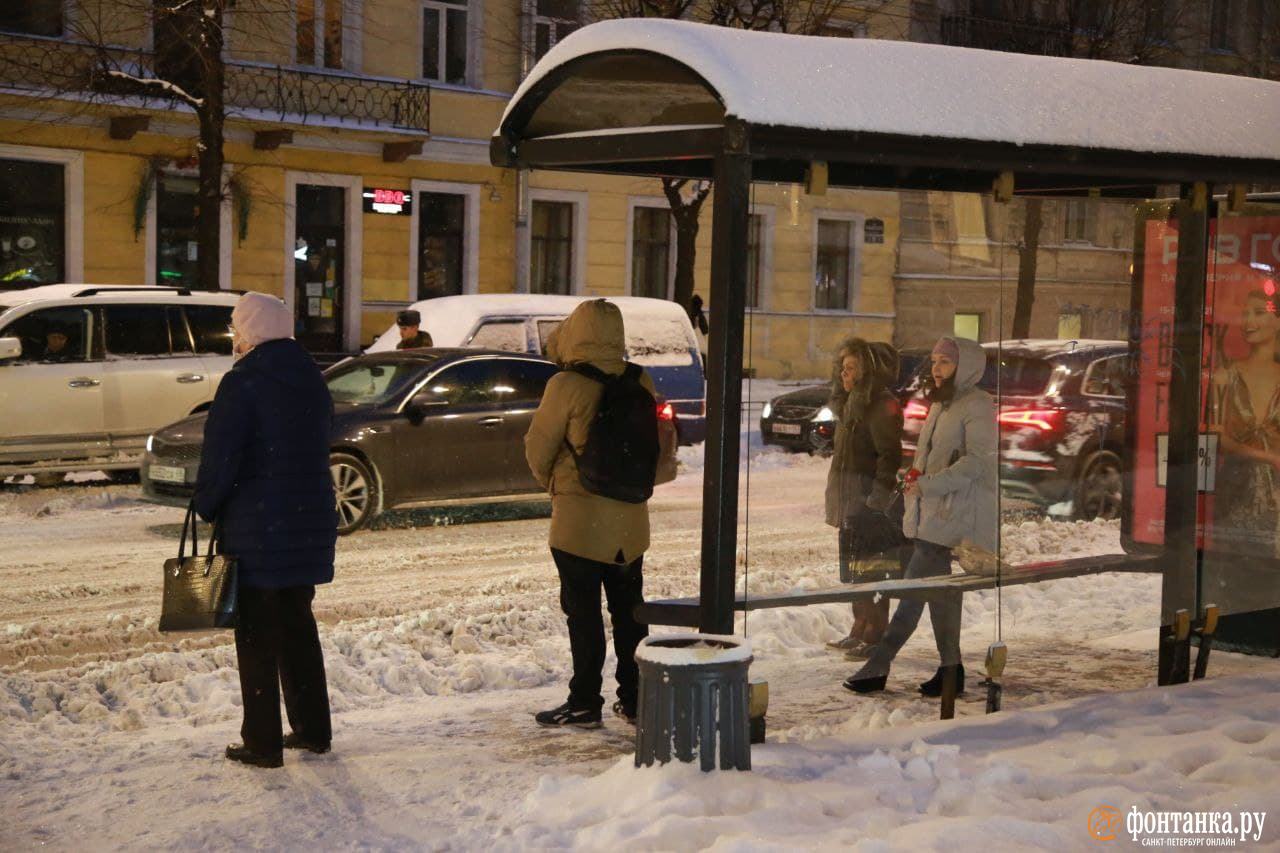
x=866, y=684
x=933, y=687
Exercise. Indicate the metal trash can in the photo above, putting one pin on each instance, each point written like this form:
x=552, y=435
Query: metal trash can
x=693, y=701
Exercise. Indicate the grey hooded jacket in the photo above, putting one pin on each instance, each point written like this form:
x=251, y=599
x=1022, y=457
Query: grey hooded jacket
x=956, y=455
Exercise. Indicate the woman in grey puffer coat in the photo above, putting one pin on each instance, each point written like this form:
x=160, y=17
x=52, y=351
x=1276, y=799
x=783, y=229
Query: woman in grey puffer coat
x=860, y=483
x=952, y=500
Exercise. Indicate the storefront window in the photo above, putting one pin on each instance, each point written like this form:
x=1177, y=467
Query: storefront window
x=319, y=267
x=32, y=210
x=177, y=246
x=440, y=244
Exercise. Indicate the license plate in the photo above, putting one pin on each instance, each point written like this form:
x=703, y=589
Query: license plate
x=169, y=474
x=787, y=429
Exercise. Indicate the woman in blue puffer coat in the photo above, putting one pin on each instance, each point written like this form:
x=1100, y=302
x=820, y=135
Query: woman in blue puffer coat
x=264, y=478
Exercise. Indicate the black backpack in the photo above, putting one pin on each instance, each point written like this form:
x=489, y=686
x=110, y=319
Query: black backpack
x=620, y=459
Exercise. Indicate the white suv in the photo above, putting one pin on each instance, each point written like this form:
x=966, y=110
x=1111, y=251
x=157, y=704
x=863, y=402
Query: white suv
x=87, y=372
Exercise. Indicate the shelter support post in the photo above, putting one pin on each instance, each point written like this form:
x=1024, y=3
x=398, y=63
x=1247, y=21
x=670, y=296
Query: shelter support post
x=1182, y=563
x=724, y=386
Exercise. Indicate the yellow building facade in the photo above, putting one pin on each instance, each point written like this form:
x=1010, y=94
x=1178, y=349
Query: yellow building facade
x=357, y=177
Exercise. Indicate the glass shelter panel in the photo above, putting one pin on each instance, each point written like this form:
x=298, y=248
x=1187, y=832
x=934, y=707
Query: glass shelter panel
x=989, y=354
x=1240, y=432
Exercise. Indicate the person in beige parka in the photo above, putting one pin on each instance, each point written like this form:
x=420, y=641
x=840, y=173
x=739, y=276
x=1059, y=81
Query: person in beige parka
x=595, y=541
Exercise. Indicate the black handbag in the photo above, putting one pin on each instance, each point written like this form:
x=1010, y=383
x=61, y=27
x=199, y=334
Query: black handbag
x=872, y=543
x=199, y=592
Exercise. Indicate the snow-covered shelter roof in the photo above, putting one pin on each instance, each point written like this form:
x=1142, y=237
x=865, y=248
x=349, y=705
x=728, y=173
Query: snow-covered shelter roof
x=660, y=96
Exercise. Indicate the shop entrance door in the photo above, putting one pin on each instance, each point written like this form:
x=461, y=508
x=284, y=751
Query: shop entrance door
x=319, y=267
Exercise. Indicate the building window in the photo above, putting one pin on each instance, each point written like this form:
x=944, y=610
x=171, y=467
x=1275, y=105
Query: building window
x=651, y=252
x=755, y=258
x=833, y=275
x=319, y=33
x=552, y=21
x=551, y=249
x=176, y=230
x=32, y=214
x=1220, y=36
x=444, y=41
x=1079, y=222
x=967, y=326
x=441, y=229
x=1070, y=327
x=32, y=17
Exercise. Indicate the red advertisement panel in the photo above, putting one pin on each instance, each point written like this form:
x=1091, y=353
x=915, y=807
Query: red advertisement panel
x=1239, y=472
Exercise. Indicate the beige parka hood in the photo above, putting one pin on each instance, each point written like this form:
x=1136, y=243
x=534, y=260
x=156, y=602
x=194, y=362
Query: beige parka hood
x=592, y=333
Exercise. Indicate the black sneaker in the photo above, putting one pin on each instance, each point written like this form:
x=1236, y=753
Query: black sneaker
x=625, y=711
x=293, y=740
x=241, y=753
x=567, y=715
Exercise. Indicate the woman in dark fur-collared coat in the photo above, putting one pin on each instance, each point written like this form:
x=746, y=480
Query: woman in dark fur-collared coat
x=860, y=496
x=264, y=477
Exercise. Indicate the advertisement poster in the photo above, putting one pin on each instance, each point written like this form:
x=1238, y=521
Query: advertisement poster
x=1239, y=471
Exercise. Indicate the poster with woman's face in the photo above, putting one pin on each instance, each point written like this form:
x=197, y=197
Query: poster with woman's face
x=1239, y=471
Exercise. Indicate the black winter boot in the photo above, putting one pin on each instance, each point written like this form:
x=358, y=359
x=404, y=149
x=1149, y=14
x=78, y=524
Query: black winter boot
x=933, y=687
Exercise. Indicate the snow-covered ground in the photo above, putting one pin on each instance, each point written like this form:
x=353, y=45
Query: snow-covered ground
x=442, y=634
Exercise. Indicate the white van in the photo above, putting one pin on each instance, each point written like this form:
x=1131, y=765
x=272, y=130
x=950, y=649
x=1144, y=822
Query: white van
x=659, y=338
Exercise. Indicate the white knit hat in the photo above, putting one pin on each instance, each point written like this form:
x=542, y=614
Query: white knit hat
x=260, y=318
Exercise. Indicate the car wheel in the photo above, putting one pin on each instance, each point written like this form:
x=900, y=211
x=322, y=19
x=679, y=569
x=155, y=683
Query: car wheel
x=1098, y=490
x=125, y=476
x=355, y=491
x=49, y=479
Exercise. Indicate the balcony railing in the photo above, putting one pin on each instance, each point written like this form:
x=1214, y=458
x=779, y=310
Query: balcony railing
x=260, y=91
x=1010, y=36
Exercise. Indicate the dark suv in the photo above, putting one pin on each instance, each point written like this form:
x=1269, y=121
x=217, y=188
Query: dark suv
x=1062, y=406
x=801, y=420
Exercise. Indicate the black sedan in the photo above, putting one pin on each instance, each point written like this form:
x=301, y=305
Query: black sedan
x=410, y=426
x=801, y=419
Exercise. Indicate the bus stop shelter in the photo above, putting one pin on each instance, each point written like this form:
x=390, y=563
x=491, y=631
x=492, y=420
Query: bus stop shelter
x=671, y=98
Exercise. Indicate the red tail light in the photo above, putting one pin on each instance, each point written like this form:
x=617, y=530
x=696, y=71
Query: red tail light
x=915, y=410
x=666, y=412
x=1045, y=420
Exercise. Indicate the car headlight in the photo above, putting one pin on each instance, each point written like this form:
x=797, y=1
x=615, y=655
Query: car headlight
x=150, y=440
x=767, y=411
x=824, y=416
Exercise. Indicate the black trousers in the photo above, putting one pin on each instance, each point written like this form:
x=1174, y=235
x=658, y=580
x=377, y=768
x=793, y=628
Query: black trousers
x=278, y=646
x=580, y=583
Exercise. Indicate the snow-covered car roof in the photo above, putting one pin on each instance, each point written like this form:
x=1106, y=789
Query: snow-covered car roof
x=450, y=320
x=909, y=89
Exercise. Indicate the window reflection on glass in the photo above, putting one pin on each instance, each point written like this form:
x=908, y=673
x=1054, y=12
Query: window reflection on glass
x=370, y=384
